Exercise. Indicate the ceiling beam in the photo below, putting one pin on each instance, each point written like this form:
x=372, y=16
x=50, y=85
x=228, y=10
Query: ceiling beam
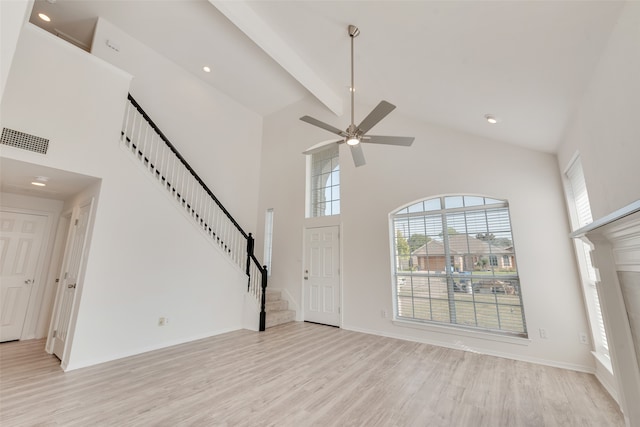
x=248, y=21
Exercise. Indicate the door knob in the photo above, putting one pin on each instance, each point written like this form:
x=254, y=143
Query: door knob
x=73, y=286
x=28, y=281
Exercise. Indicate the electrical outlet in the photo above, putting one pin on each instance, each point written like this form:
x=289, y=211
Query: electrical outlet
x=583, y=338
x=543, y=333
x=383, y=313
x=162, y=321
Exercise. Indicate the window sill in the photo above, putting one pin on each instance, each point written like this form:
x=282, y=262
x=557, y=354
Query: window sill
x=604, y=361
x=467, y=333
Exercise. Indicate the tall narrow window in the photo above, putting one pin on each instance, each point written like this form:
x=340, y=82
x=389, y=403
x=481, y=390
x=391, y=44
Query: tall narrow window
x=455, y=263
x=268, y=239
x=324, y=182
x=580, y=210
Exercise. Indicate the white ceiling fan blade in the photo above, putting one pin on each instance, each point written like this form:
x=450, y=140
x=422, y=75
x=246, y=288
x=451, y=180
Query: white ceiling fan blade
x=378, y=113
x=322, y=125
x=358, y=155
x=321, y=148
x=389, y=140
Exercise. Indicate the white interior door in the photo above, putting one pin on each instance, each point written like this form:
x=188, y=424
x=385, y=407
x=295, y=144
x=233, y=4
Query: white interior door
x=69, y=277
x=322, y=275
x=21, y=237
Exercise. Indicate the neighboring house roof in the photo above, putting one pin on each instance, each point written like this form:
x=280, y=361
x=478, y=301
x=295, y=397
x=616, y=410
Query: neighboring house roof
x=460, y=244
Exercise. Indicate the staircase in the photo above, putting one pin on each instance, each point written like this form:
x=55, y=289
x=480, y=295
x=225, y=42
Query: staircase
x=278, y=309
x=142, y=138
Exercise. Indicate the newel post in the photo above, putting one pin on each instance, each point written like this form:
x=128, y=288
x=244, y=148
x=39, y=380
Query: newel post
x=263, y=313
x=250, y=244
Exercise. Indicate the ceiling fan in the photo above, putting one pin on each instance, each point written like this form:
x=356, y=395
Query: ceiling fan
x=354, y=135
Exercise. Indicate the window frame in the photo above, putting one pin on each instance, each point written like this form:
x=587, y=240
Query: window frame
x=580, y=216
x=457, y=204
x=330, y=187
x=268, y=239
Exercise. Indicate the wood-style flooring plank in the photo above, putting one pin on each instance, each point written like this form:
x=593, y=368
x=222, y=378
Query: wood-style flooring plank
x=297, y=374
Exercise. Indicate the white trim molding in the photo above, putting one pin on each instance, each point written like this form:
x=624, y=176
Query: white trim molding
x=615, y=243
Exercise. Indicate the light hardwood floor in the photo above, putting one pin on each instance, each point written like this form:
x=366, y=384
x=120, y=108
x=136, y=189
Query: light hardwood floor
x=297, y=374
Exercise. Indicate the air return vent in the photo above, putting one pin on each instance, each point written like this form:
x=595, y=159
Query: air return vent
x=14, y=138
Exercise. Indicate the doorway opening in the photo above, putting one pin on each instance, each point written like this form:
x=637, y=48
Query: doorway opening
x=36, y=224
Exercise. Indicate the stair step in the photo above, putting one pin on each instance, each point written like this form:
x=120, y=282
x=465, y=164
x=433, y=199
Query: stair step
x=277, y=305
x=273, y=295
x=277, y=309
x=279, y=317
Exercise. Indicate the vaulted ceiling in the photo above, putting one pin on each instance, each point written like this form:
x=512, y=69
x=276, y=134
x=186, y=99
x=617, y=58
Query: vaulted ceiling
x=443, y=62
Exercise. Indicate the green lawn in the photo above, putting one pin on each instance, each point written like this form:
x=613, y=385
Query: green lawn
x=429, y=301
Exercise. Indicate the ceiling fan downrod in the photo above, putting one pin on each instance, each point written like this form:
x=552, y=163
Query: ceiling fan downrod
x=353, y=33
x=354, y=135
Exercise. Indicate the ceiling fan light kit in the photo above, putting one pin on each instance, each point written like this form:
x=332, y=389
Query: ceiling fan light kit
x=354, y=135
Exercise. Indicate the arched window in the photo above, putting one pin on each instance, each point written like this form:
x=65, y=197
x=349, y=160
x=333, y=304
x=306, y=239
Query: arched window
x=455, y=263
x=324, y=182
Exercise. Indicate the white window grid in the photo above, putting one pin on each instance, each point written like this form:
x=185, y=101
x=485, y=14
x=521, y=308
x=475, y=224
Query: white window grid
x=446, y=265
x=324, y=183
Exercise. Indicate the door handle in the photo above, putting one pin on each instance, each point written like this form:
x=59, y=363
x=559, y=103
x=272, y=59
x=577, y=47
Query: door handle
x=73, y=286
x=28, y=282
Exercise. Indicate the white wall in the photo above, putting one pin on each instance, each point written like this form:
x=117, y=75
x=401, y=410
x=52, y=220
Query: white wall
x=146, y=259
x=13, y=15
x=440, y=161
x=220, y=138
x=605, y=129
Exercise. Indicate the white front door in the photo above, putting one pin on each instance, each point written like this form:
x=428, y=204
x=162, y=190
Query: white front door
x=322, y=275
x=21, y=237
x=69, y=276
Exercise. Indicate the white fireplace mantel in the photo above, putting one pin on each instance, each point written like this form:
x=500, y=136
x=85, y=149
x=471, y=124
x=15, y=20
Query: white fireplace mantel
x=615, y=251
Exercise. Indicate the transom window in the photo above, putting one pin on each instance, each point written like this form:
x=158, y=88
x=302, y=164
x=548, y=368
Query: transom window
x=455, y=263
x=324, y=182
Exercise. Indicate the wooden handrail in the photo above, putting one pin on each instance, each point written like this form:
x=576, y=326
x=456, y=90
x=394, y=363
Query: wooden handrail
x=175, y=151
x=251, y=258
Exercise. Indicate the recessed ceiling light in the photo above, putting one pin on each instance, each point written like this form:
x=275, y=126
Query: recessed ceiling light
x=206, y=69
x=40, y=181
x=491, y=119
x=44, y=17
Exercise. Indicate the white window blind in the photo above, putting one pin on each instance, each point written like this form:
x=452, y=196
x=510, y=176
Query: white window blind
x=575, y=175
x=455, y=263
x=600, y=321
x=579, y=202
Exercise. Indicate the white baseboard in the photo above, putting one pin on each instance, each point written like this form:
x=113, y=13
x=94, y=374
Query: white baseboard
x=545, y=362
x=110, y=358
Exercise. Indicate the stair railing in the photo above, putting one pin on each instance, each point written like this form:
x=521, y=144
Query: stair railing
x=152, y=148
